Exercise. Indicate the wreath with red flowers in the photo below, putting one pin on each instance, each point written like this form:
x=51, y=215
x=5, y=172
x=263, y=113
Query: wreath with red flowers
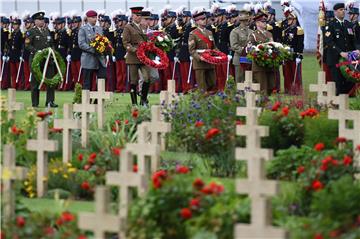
x=214, y=57
x=348, y=70
x=148, y=48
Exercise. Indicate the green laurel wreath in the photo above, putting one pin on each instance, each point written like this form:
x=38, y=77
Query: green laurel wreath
x=41, y=56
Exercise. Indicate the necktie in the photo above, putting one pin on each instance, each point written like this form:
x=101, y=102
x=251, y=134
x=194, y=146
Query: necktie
x=93, y=29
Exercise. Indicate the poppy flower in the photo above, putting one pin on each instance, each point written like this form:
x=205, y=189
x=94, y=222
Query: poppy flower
x=199, y=124
x=318, y=236
x=116, y=150
x=198, y=184
x=43, y=115
x=67, y=217
x=347, y=160
x=194, y=203
x=85, y=185
x=182, y=169
x=185, y=213
x=16, y=131
x=285, y=111
x=20, y=221
x=300, y=169
x=80, y=157
x=211, y=133
x=135, y=113
x=341, y=140
x=317, y=185
x=135, y=168
x=56, y=130
x=319, y=146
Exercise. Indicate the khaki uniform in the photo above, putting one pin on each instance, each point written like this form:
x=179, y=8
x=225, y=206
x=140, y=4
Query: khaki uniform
x=204, y=72
x=264, y=76
x=238, y=41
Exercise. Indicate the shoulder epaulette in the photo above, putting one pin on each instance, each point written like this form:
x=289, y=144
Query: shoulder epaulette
x=269, y=27
x=300, y=31
x=229, y=24
x=68, y=31
x=278, y=23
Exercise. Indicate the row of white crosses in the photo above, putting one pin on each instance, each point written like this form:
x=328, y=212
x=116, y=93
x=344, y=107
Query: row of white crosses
x=147, y=150
x=256, y=186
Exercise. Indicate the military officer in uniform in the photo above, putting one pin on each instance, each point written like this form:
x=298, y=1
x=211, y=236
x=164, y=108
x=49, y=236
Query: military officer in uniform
x=5, y=82
x=133, y=35
x=39, y=38
x=75, y=51
x=354, y=19
x=262, y=75
x=339, y=38
x=293, y=36
x=28, y=24
x=238, y=42
x=201, y=39
x=15, y=45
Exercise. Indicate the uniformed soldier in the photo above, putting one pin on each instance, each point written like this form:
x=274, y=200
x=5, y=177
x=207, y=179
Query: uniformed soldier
x=329, y=16
x=264, y=76
x=339, y=39
x=28, y=24
x=238, y=42
x=38, y=38
x=120, y=21
x=293, y=36
x=105, y=22
x=5, y=82
x=75, y=51
x=15, y=43
x=201, y=39
x=133, y=35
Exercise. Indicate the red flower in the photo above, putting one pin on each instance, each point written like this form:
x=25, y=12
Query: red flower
x=317, y=185
x=198, y=184
x=49, y=231
x=126, y=122
x=194, y=203
x=55, y=130
x=158, y=177
x=199, y=123
x=92, y=156
x=311, y=112
x=85, y=185
x=335, y=234
x=116, y=150
x=319, y=147
x=59, y=222
x=324, y=167
x=211, y=133
x=43, y=115
x=16, y=131
x=135, y=113
x=318, y=236
x=87, y=167
x=216, y=188
x=341, y=140
x=358, y=147
x=67, y=217
x=347, y=160
x=80, y=157
x=185, y=213
x=300, y=169
x=20, y=221
x=276, y=106
x=285, y=111
x=182, y=169
x=135, y=168
x=82, y=237
x=239, y=122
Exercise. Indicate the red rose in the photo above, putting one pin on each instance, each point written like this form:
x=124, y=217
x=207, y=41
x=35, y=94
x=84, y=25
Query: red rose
x=135, y=168
x=56, y=130
x=261, y=47
x=324, y=167
x=194, y=203
x=207, y=190
x=317, y=185
x=135, y=113
x=185, y=213
x=92, y=156
x=126, y=122
x=276, y=106
x=211, y=133
x=300, y=169
x=198, y=184
x=16, y=131
x=157, y=178
x=85, y=185
x=199, y=124
x=182, y=169
x=80, y=157
x=116, y=150
x=341, y=140
x=43, y=115
x=285, y=111
x=347, y=160
x=319, y=147
x=216, y=188
x=67, y=217
x=20, y=221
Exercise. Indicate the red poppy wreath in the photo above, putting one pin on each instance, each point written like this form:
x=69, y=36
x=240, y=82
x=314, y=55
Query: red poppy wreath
x=214, y=57
x=149, y=48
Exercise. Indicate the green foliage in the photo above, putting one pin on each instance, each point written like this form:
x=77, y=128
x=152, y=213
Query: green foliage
x=77, y=94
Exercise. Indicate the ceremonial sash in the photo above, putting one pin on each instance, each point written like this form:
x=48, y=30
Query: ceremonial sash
x=204, y=38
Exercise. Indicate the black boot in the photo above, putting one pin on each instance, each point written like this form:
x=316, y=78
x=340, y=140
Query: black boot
x=133, y=94
x=144, y=93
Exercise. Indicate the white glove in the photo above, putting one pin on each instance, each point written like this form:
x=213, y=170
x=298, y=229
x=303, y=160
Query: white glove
x=114, y=59
x=298, y=60
x=191, y=58
x=68, y=58
x=176, y=59
x=229, y=57
x=4, y=58
x=107, y=58
x=21, y=58
x=157, y=60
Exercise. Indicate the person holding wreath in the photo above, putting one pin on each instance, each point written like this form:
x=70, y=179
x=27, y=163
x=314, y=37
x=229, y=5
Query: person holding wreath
x=201, y=39
x=36, y=39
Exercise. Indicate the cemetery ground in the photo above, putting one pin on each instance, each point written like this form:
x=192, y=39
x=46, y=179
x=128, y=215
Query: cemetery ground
x=235, y=164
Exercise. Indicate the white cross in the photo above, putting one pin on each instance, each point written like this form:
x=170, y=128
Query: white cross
x=169, y=96
x=101, y=95
x=326, y=92
x=248, y=84
x=145, y=151
x=67, y=124
x=12, y=104
x=157, y=127
x=85, y=108
x=42, y=145
x=9, y=173
x=101, y=221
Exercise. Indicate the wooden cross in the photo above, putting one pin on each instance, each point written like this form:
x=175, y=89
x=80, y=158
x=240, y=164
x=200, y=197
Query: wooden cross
x=126, y=180
x=42, y=145
x=9, y=174
x=169, y=96
x=326, y=92
x=143, y=149
x=101, y=95
x=248, y=84
x=101, y=221
x=67, y=124
x=343, y=114
x=12, y=104
x=85, y=108
x=157, y=127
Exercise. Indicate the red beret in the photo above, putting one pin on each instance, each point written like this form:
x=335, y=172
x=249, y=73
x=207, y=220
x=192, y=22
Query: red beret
x=91, y=13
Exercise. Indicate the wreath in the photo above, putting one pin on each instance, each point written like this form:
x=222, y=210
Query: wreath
x=149, y=48
x=214, y=57
x=348, y=70
x=41, y=56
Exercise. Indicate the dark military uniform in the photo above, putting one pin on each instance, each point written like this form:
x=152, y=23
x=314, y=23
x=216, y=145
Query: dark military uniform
x=62, y=42
x=293, y=37
x=5, y=83
x=38, y=39
x=75, y=53
x=15, y=43
x=120, y=52
x=338, y=37
x=26, y=57
x=110, y=83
